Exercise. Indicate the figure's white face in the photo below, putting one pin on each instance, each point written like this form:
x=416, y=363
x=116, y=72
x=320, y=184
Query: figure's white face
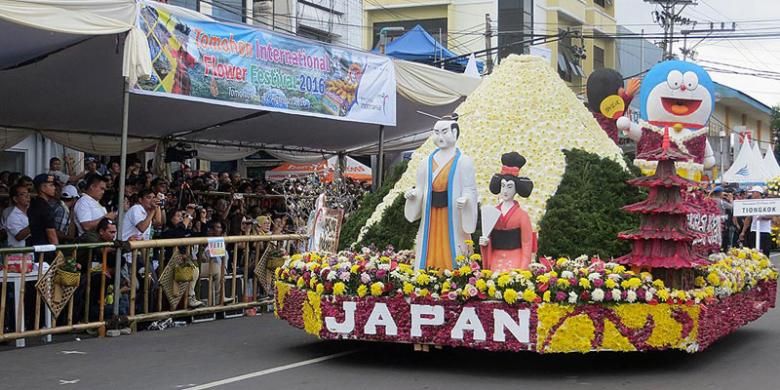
x=443, y=135
x=679, y=101
x=508, y=190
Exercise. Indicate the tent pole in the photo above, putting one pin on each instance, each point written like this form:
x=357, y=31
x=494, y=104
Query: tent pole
x=381, y=157
x=121, y=203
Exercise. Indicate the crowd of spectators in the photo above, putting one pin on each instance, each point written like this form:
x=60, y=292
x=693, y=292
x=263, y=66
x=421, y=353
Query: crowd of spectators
x=61, y=207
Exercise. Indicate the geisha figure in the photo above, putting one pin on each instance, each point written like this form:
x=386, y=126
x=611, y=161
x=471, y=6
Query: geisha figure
x=507, y=245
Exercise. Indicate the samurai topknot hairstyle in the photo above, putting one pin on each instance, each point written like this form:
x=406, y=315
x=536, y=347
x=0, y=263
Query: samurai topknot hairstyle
x=510, y=161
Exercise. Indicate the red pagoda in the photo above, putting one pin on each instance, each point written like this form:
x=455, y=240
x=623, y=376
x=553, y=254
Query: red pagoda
x=663, y=242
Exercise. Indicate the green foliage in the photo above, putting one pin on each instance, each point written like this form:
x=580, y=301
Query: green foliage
x=393, y=230
x=584, y=216
x=351, y=228
x=774, y=125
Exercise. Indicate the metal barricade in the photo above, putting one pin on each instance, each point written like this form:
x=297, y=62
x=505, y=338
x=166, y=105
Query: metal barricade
x=150, y=305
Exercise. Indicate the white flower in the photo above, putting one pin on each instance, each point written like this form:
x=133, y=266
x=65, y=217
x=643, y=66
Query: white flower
x=648, y=296
x=593, y=276
x=631, y=296
x=365, y=278
x=384, y=266
x=597, y=295
x=332, y=276
x=616, y=295
x=567, y=274
x=498, y=295
x=572, y=297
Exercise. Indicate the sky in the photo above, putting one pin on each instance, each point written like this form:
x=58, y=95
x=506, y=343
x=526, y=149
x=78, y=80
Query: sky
x=751, y=16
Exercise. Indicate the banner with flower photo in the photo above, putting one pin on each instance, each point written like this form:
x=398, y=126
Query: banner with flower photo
x=244, y=66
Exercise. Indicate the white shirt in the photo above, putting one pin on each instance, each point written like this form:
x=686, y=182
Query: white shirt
x=134, y=216
x=15, y=223
x=87, y=209
x=62, y=177
x=763, y=225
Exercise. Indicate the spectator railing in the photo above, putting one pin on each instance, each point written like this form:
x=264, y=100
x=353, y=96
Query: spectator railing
x=146, y=297
x=21, y=278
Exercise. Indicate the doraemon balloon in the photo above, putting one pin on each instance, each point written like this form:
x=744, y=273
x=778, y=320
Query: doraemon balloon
x=680, y=96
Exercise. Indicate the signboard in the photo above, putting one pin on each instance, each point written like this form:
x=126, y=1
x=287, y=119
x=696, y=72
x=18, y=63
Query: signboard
x=327, y=229
x=243, y=66
x=708, y=221
x=216, y=247
x=753, y=207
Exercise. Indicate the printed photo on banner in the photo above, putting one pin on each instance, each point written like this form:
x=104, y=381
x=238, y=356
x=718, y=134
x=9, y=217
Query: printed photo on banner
x=245, y=66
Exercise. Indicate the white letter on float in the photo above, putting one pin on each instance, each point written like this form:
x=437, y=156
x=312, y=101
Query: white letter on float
x=380, y=315
x=502, y=320
x=417, y=311
x=468, y=320
x=349, y=319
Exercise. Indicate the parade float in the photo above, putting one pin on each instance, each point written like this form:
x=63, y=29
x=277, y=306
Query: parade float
x=475, y=277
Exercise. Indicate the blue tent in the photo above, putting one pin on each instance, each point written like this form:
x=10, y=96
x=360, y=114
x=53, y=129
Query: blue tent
x=419, y=46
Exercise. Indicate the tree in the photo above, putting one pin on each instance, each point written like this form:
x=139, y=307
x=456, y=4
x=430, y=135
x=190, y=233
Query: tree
x=775, y=126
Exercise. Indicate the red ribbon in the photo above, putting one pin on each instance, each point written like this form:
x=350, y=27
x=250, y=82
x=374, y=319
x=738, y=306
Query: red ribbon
x=507, y=170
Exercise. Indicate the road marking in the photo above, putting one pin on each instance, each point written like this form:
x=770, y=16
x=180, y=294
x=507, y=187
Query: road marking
x=71, y=382
x=270, y=371
x=73, y=353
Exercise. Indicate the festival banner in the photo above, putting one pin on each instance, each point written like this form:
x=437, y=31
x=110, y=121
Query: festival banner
x=244, y=66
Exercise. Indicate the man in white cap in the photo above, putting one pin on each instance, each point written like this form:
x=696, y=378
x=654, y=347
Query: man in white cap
x=63, y=213
x=761, y=224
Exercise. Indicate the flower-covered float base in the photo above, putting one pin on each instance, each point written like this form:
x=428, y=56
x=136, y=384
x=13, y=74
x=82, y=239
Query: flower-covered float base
x=600, y=307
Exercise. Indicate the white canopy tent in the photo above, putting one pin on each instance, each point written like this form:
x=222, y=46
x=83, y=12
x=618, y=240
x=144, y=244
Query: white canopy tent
x=747, y=169
x=770, y=164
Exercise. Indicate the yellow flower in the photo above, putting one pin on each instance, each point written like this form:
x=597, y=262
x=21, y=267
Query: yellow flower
x=529, y=295
x=423, y=292
x=354, y=269
x=619, y=269
x=408, y=288
x=320, y=288
x=362, y=290
x=563, y=283
x=491, y=291
x=423, y=279
x=475, y=257
x=339, y=288
x=526, y=274
x=561, y=261
x=510, y=296
x=313, y=283
x=377, y=288
x=481, y=285
x=713, y=279
x=610, y=283
x=663, y=294
x=658, y=283
x=504, y=280
x=546, y=296
x=699, y=282
x=300, y=282
x=469, y=243
x=487, y=273
x=542, y=279
x=584, y=283
x=465, y=270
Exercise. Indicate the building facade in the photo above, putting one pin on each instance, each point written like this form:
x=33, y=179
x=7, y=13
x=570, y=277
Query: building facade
x=461, y=25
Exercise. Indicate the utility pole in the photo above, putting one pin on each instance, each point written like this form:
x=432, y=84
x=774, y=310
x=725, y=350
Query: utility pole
x=488, y=44
x=667, y=18
x=691, y=52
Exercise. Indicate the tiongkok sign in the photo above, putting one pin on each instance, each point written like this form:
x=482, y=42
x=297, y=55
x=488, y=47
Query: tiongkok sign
x=754, y=207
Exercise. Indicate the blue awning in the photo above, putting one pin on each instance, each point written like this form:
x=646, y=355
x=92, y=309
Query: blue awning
x=419, y=46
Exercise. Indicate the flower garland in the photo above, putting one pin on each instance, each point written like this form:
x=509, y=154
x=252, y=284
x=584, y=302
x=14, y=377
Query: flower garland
x=523, y=106
x=566, y=281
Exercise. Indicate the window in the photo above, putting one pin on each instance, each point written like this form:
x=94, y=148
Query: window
x=600, y=3
x=515, y=24
x=435, y=27
x=228, y=10
x=569, y=59
x=189, y=4
x=598, y=58
x=313, y=33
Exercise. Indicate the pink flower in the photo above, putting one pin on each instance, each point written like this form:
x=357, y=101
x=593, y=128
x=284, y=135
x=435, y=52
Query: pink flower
x=561, y=296
x=380, y=274
x=452, y=295
x=598, y=283
x=471, y=290
x=472, y=280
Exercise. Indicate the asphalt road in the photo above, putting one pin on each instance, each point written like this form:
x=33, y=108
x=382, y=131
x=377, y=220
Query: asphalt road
x=265, y=353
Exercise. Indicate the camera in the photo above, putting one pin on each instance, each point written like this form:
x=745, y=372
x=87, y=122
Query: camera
x=180, y=152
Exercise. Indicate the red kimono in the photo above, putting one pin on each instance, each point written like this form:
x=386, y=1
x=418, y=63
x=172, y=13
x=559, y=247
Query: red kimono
x=511, y=241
